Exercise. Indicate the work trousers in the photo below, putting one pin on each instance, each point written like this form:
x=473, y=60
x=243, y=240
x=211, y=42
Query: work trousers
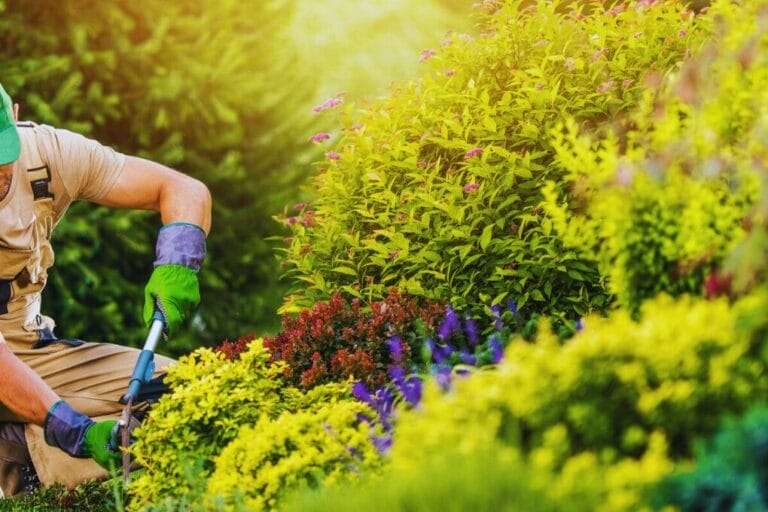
x=91, y=377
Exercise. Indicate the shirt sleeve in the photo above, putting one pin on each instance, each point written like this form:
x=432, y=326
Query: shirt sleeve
x=88, y=169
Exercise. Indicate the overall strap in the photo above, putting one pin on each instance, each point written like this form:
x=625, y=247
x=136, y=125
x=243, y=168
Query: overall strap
x=38, y=172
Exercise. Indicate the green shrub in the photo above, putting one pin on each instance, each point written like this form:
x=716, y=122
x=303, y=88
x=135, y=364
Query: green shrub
x=216, y=402
x=620, y=401
x=306, y=448
x=661, y=206
x=491, y=479
x=731, y=472
x=437, y=189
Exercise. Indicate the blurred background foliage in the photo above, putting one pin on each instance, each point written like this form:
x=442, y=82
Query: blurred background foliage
x=220, y=90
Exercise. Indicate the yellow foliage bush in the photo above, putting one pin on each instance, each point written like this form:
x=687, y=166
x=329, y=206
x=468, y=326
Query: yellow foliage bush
x=614, y=407
x=307, y=448
x=219, y=406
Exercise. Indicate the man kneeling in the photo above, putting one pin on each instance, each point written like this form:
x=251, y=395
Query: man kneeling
x=59, y=398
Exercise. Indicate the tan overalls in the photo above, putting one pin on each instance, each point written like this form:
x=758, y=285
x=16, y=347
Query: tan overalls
x=56, y=167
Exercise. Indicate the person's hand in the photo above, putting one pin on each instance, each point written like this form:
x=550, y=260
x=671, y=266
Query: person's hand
x=176, y=291
x=102, y=446
x=173, y=286
x=81, y=437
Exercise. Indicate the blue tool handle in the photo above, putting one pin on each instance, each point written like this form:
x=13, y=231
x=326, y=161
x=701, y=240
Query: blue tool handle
x=145, y=364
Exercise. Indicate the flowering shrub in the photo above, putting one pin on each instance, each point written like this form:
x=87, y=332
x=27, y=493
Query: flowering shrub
x=213, y=400
x=437, y=190
x=339, y=339
x=620, y=399
x=661, y=206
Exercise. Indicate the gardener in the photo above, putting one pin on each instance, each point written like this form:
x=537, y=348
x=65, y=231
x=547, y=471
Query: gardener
x=51, y=388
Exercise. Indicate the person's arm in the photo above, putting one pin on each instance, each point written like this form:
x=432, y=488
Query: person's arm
x=185, y=208
x=22, y=391
x=147, y=185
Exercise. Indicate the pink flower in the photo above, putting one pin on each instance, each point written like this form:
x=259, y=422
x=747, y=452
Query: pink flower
x=605, y=87
x=426, y=55
x=299, y=206
x=320, y=137
x=682, y=33
x=328, y=104
x=332, y=155
x=617, y=9
x=472, y=153
x=292, y=220
x=471, y=187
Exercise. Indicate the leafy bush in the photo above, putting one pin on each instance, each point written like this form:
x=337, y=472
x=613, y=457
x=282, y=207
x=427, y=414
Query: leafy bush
x=308, y=448
x=661, y=206
x=620, y=401
x=212, y=401
x=191, y=84
x=437, y=189
x=339, y=339
x=731, y=472
x=493, y=478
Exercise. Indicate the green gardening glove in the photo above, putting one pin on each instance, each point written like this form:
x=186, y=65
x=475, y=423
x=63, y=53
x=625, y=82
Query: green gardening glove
x=100, y=444
x=173, y=286
x=176, y=291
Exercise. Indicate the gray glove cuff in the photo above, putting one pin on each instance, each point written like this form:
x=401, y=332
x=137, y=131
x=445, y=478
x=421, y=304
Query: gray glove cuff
x=180, y=243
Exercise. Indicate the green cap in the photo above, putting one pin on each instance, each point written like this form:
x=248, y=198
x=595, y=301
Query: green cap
x=10, y=145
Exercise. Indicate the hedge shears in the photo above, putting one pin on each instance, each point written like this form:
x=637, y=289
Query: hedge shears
x=140, y=379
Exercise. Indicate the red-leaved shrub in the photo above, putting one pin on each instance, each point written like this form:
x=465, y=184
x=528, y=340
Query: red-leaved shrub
x=338, y=339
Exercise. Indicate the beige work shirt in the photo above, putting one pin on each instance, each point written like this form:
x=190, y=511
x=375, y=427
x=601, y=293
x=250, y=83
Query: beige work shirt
x=56, y=167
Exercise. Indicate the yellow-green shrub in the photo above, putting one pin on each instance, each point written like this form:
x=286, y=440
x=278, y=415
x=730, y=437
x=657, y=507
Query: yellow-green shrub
x=661, y=206
x=212, y=402
x=437, y=189
x=620, y=401
x=306, y=448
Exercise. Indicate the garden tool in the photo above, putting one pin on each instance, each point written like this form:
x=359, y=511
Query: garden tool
x=142, y=374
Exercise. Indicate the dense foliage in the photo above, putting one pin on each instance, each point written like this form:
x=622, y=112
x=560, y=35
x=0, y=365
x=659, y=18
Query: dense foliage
x=660, y=206
x=207, y=424
x=437, y=190
x=731, y=472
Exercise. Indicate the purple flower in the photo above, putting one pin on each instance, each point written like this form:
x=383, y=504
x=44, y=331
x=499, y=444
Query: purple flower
x=470, y=327
x=426, y=55
x=443, y=377
x=360, y=391
x=320, y=137
x=580, y=324
x=496, y=350
x=471, y=187
x=395, y=346
x=328, y=104
x=332, y=155
x=468, y=358
x=397, y=374
x=449, y=325
x=411, y=390
x=441, y=352
x=512, y=306
x=496, y=310
x=472, y=153
x=382, y=443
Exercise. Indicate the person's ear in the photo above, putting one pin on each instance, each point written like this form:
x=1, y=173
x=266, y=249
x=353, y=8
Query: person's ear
x=16, y=112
